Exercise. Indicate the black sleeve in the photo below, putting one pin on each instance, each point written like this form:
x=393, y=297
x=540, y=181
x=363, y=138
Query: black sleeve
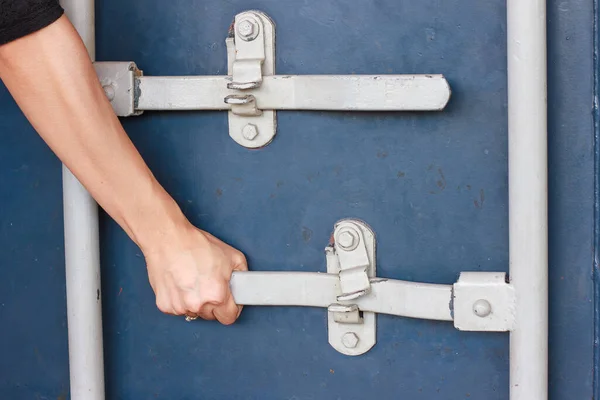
x=19, y=18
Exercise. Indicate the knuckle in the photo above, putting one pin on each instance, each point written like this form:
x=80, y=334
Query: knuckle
x=239, y=258
x=217, y=294
x=179, y=310
x=193, y=302
x=164, y=306
x=225, y=317
x=206, y=315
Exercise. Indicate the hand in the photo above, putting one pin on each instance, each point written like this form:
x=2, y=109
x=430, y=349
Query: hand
x=192, y=277
x=53, y=80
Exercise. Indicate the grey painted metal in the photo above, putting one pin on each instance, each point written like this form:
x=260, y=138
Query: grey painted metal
x=118, y=81
x=353, y=259
x=528, y=201
x=82, y=256
x=314, y=289
x=483, y=301
x=84, y=305
x=252, y=92
x=354, y=249
x=250, y=48
x=250, y=58
x=300, y=92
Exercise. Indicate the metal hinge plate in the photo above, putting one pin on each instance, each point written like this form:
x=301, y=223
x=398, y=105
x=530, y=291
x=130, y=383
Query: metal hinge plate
x=250, y=57
x=352, y=257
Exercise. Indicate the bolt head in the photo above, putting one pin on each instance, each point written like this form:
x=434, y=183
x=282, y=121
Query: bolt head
x=347, y=239
x=250, y=132
x=482, y=308
x=248, y=30
x=350, y=340
x=109, y=90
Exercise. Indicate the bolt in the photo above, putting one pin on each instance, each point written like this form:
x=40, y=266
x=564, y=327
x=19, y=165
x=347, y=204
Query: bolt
x=109, y=91
x=250, y=132
x=482, y=308
x=350, y=340
x=247, y=29
x=348, y=239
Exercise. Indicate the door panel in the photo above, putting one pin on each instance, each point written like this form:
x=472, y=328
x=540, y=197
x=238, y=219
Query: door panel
x=432, y=185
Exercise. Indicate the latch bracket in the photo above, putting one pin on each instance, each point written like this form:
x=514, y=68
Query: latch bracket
x=351, y=256
x=250, y=56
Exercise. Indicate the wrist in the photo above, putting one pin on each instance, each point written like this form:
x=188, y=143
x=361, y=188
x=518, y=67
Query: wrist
x=160, y=224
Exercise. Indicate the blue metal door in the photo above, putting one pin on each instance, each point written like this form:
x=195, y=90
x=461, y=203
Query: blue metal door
x=433, y=186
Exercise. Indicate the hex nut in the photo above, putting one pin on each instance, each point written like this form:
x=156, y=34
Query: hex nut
x=250, y=132
x=350, y=340
x=348, y=239
x=247, y=29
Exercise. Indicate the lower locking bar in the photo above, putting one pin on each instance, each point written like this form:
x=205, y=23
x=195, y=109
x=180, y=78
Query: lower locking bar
x=479, y=301
x=314, y=289
x=353, y=295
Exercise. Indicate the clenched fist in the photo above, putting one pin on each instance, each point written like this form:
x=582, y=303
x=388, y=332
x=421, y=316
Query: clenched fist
x=192, y=277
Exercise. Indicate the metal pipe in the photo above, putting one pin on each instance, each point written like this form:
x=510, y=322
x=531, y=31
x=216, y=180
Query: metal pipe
x=82, y=255
x=528, y=197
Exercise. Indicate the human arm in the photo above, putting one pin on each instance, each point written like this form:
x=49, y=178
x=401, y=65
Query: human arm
x=54, y=83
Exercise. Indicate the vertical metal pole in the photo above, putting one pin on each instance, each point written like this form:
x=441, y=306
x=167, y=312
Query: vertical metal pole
x=528, y=197
x=82, y=255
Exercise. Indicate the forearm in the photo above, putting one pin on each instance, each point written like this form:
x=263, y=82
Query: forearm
x=52, y=79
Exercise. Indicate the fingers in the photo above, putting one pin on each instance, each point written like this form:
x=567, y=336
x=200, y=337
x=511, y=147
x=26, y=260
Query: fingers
x=228, y=312
x=163, y=303
x=197, y=304
x=194, y=280
x=207, y=313
x=239, y=261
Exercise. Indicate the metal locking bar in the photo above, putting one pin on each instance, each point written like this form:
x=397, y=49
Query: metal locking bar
x=478, y=301
x=252, y=92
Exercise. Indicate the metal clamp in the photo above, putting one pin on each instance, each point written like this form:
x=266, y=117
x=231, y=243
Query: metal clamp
x=243, y=104
x=252, y=93
x=251, y=31
x=352, y=257
x=355, y=264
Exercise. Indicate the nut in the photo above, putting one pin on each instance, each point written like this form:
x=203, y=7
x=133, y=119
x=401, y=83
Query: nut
x=482, y=308
x=250, y=132
x=347, y=239
x=350, y=340
x=109, y=91
x=247, y=29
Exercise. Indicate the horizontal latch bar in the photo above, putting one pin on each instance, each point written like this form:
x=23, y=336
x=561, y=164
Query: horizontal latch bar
x=313, y=289
x=299, y=92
